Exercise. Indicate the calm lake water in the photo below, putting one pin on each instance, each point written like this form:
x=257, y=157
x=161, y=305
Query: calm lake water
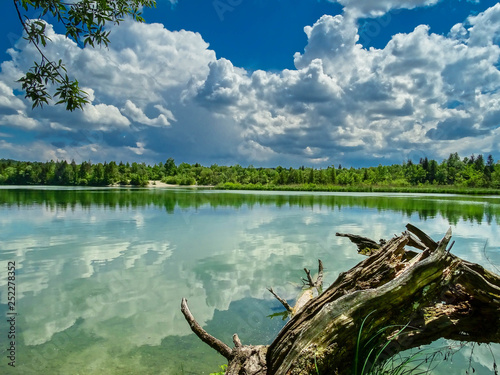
x=100, y=273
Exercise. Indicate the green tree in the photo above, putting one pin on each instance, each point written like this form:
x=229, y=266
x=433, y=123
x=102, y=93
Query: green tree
x=432, y=172
x=158, y=172
x=84, y=22
x=84, y=173
x=490, y=163
x=415, y=173
x=381, y=174
x=495, y=176
x=310, y=178
x=11, y=175
x=293, y=176
x=139, y=179
x=206, y=177
x=479, y=163
x=170, y=167
x=63, y=174
x=111, y=174
x=489, y=168
x=97, y=177
x=442, y=173
x=332, y=174
x=455, y=166
x=471, y=177
x=322, y=177
x=49, y=172
x=74, y=168
x=32, y=173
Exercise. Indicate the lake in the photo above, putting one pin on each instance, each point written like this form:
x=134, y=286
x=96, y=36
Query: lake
x=100, y=273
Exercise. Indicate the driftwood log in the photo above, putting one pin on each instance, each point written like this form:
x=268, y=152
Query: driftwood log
x=432, y=293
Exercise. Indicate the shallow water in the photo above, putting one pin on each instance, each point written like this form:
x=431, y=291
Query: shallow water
x=100, y=273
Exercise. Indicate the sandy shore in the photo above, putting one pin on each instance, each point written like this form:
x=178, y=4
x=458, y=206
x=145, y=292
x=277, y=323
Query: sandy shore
x=159, y=184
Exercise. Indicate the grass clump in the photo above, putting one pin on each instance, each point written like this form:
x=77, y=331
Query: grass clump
x=372, y=359
x=222, y=371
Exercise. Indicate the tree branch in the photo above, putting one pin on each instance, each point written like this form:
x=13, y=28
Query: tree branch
x=237, y=341
x=309, y=280
x=426, y=240
x=366, y=246
x=208, y=339
x=319, y=280
x=283, y=302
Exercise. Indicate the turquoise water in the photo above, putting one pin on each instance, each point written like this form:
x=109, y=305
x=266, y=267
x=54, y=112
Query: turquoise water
x=100, y=273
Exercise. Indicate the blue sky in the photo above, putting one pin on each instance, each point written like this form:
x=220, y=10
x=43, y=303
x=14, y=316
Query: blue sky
x=298, y=82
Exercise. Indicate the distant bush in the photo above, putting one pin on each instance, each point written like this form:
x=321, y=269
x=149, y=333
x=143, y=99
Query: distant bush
x=187, y=180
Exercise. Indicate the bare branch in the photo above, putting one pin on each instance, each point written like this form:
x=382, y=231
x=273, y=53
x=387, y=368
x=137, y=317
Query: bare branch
x=319, y=280
x=426, y=240
x=208, y=339
x=449, y=249
x=415, y=242
x=283, y=302
x=309, y=280
x=365, y=245
x=237, y=341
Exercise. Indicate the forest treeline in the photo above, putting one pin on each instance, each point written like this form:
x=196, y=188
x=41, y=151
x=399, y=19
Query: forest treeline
x=468, y=172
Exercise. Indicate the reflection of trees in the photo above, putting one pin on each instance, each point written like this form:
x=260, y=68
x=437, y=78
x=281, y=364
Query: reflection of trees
x=453, y=208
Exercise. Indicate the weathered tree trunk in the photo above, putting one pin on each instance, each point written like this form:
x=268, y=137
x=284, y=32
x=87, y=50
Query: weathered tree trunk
x=433, y=293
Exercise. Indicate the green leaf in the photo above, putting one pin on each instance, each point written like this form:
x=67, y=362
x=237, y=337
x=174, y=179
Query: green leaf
x=84, y=21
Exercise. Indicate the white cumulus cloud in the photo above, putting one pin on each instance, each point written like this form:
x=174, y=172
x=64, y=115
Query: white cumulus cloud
x=369, y=8
x=137, y=115
x=344, y=98
x=156, y=91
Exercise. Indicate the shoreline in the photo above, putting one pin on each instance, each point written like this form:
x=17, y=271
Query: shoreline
x=337, y=189
x=363, y=189
x=157, y=184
